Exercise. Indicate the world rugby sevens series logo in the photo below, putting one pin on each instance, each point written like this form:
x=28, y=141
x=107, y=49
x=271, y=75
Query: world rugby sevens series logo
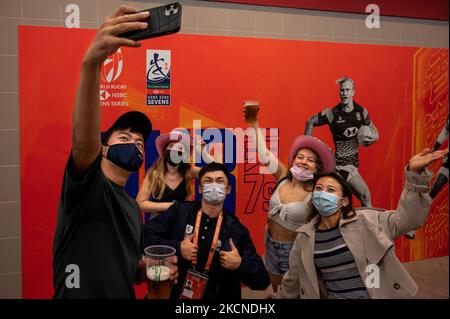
x=112, y=67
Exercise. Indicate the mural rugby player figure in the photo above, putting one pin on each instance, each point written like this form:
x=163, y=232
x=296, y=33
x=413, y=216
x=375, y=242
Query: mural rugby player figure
x=350, y=126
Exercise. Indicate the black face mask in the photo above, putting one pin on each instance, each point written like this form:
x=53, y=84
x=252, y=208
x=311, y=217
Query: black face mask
x=173, y=154
x=126, y=156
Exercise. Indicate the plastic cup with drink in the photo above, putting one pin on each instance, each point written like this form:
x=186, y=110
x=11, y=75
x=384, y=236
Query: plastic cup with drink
x=159, y=261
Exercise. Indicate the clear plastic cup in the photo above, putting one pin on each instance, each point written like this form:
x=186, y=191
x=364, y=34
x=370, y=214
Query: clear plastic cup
x=159, y=261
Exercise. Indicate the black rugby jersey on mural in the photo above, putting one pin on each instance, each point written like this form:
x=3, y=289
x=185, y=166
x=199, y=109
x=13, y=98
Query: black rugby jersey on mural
x=344, y=127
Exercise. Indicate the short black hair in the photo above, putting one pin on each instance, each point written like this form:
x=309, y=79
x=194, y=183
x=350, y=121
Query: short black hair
x=213, y=167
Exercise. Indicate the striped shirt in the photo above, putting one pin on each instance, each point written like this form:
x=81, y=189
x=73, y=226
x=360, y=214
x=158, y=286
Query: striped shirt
x=336, y=264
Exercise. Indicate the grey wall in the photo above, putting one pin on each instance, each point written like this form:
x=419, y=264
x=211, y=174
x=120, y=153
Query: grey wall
x=198, y=18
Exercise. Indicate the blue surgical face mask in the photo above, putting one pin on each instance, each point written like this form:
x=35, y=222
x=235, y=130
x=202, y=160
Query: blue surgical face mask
x=214, y=193
x=126, y=156
x=325, y=203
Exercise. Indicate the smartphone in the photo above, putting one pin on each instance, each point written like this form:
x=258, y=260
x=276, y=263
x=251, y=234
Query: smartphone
x=163, y=20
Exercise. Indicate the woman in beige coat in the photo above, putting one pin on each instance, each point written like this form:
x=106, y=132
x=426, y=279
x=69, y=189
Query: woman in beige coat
x=349, y=253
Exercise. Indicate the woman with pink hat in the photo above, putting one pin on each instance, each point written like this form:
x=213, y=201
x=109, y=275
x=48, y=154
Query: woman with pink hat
x=290, y=204
x=168, y=180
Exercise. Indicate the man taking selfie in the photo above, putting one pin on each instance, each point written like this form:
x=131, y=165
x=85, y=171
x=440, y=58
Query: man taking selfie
x=98, y=240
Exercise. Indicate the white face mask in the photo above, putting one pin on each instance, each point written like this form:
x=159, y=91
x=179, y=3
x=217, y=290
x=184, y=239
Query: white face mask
x=214, y=193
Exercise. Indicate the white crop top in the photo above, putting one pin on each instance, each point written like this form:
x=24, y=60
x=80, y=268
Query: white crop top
x=291, y=215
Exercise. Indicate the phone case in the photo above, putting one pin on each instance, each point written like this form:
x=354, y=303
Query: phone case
x=163, y=20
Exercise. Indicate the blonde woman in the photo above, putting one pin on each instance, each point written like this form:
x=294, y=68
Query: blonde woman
x=169, y=179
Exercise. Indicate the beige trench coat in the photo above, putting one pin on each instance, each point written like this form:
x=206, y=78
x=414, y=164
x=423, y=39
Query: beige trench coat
x=370, y=237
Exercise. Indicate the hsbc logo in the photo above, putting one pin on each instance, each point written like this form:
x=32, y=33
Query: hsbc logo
x=350, y=132
x=112, y=67
x=104, y=95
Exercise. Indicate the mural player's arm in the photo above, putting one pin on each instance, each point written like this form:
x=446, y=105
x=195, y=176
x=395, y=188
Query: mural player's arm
x=322, y=118
x=86, y=114
x=278, y=169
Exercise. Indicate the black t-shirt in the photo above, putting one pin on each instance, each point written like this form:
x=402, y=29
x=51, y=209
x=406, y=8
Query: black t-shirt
x=99, y=229
x=344, y=127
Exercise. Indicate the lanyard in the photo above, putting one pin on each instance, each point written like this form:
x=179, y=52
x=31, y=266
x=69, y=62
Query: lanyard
x=214, y=242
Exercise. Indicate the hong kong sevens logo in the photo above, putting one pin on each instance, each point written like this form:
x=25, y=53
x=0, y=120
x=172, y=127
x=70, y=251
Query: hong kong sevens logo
x=350, y=132
x=112, y=67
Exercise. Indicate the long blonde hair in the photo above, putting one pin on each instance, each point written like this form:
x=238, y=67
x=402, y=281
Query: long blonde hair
x=154, y=179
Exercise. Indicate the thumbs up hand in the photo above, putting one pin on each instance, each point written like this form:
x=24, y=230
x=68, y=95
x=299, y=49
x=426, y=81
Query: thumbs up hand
x=230, y=260
x=188, y=248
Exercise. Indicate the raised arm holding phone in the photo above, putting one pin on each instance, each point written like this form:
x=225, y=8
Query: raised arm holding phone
x=99, y=228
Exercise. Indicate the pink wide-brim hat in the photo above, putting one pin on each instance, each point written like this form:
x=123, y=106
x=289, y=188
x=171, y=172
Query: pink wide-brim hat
x=174, y=136
x=325, y=153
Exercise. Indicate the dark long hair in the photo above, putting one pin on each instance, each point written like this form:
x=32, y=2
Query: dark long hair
x=347, y=211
